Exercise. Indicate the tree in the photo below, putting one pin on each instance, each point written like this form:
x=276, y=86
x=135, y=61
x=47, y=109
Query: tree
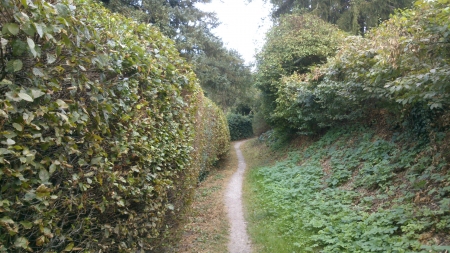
x=294, y=45
x=356, y=16
x=222, y=73
x=224, y=77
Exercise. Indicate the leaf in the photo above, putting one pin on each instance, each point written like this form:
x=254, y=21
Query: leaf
x=21, y=242
x=37, y=93
x=52, y=168
x=44, y=175
x=96, y=160
x=12, y=28
x=42, y=191
x=40, y=241
x=25, y=96
x=62, y=104
x=18, y=127
x=6, y=220
x=51, y=58
x=39, y=29
x=69, y=247
x=17, y=65
x=3, y=114
x=24, y=3
x=26, y=224
x=38, y=72
x=10, y=142
x=32, y=46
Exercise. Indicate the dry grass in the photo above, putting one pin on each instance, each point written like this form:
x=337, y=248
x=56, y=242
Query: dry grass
x=206, y=229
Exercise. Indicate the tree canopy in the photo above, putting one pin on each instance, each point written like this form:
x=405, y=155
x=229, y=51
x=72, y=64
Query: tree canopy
x=355, y=16
x=222, y=72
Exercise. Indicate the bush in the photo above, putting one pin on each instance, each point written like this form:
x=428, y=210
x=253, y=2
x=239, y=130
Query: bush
x=400, y=64
x=240, y=126
x=97, y=121
x=259, y=124
x=213, y=137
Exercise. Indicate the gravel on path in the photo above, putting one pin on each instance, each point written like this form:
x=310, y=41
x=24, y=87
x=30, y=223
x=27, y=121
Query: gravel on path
x=239, y=239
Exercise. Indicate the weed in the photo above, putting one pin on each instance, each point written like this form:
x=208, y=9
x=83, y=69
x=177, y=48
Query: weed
x=349, y=191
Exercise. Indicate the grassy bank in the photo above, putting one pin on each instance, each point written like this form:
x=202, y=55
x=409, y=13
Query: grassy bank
x=349, y=191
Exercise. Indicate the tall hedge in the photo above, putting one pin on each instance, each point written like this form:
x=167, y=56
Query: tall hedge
x=97, y=122
x=213, y=135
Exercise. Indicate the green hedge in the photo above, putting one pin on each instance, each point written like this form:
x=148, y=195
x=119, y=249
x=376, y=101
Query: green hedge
x=240, y=126
x=213, y=138
x=97, y=120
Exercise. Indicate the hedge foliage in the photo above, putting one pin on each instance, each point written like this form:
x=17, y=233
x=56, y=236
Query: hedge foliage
x=98, y=117
x=214, y=136
x=240, y=126
x=396, y=67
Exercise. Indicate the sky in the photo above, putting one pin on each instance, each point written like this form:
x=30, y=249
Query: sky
x=243, y=25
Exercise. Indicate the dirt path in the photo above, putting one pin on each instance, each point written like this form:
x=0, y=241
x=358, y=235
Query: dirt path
x=239, y=240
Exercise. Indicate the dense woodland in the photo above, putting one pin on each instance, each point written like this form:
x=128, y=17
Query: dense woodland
x=112, y=111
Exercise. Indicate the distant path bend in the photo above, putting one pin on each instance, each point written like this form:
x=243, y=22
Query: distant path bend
x=239, y=239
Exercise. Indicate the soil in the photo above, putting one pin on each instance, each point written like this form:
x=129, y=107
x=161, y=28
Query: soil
x=239, y=239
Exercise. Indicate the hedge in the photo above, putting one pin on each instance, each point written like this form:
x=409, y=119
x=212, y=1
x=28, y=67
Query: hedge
x=98, y=121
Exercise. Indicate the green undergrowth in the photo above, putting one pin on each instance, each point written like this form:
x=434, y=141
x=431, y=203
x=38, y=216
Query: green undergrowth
x=351, y=191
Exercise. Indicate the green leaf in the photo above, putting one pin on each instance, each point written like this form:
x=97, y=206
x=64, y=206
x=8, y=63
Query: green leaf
x=10, y=142
x=38, y=72
x=39, y=29
x=32, y=46
x=62, y=104
x=96, y=160
x=37, y=93
x=25, y=96
x=6, y=220
x=51, y=58
x=69, y=247
x=21, y=242
x=18, y=127
x=44, y=175
x=17, y=65
x=26, y=224
x=12, y=28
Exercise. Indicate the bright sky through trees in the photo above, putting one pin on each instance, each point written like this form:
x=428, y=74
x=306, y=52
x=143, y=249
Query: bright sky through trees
x=243, y=25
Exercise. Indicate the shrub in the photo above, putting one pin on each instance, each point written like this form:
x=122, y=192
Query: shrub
x=259, y=124
x=213, y=137
x=397, y=67
x=97, y=122
x=240, y=126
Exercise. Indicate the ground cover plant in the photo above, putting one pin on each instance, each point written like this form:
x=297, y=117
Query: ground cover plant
x=353, y=191
x=98, y=116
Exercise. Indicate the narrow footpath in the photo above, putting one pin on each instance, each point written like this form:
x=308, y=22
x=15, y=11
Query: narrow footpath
x=239, y=239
